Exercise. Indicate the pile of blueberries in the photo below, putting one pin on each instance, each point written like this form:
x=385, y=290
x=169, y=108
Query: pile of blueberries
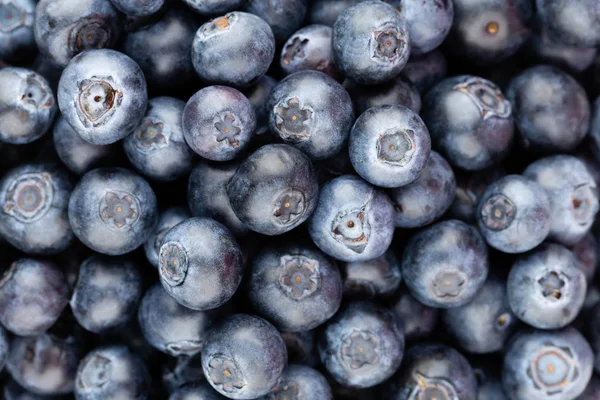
x=299, y=199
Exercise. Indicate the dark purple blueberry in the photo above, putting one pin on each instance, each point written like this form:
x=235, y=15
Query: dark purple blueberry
x=397, y=91
x=469, y=188
x=283, y=16
x=17, y=41
x=309, y=49
x=573, y=22
x=138, y=8
x=416, y=320
x=587, y=252
x=300, y=382
x=426, y=70
x=376, y=278
x=428, y=22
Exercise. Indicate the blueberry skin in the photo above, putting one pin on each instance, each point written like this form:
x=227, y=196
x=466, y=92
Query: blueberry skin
x=312, y=112
x=353, y=221
x=102, y=95
x=301, y=348
x=295, y=287
x=218, y=122
x=64, y=29
x=573, y=196
x=362, y=345
x=27, y=98
x=241, y=41
x=557, y=16
x=157, y=147
x=170, y=327
x=181, y=372
x=112, y=210
x=309, y=49
x=301, y=382
x=196, y=392
x=551, y=109
x=469, y=188
x=106, y=294
x=44, y=364
x=433, y=370
x=200, y=263
x=360, y=37
x=397, y=91
x=416, y=320
x=445, y=264
x=112, y=372
x=592, y=390
x=587, y=252
x=33, y=294
x=17, y=40
x=258, y=96
x=4, y=347
x=138, y=8
x=240, y=368
x=33, y=201
x=470, y=121
x=546, y=288
x=428, y=197
x=376, y=278
x=326, y=12
x=426, y=70
x=214, y=7
x=526, y=375
x=274, y=190
x=283, y=16
x=514, y=214
x=562, y=55
x=595, y=129
x=167, y=220
x=428, y=22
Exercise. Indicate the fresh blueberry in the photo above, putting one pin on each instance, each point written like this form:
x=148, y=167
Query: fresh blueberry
x=362, y=345
x=546, y=288
x=593, y=331
x=562, y=55
x=138, y=8
x=112, y=210
x=573, y=196
x=371, y=42
x=428, y=197
x=274, y=190
x=326, y=12
x=218, y=122
x=27, y=105
x=235, y=49
x=573, y=22
x=470, y=121
x=244, y=357
x=551, y=109
x=426, y=70
x=301, y=382
x=16, y=33
x=33, y=216
x=295, y=287
x=33, y=294
x=258, y=96
x=514, y=214
x=167, y=220
x=301, y=348
x=66, y=28
x=595, y=129
x=397, y=91
x=200, y=263
x=4, y=347
x=489, y=381
x=446, y=264
x=416, y=320
x=283, y=16
x=111, y=372
x=353, y=221
x=171, y=327
x=587, y=252
x=214, y=7
x=201, y=391
x=541, y=365
x=309, y=49
x=379, y=277
x=182, y=371
x=469, y=188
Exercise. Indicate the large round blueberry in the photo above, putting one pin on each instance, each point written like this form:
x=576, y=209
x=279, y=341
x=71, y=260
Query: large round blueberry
x=167, y=220
x=573, y=22
x=200, y=263
x=309, y=49
x=244, y=357
x=138, y=8
x=301, y=382
x=353, y=221
x=112, y=210
x=16, y=35
x=102, y=95
x=571, y=58
x=428, y=22
x=376, y=278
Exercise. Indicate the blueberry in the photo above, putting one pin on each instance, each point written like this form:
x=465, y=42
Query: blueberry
x=595, y=129
x=182, y=371
x=433, y=371
x=4, y=347
x=16, y=35
x=587, y=252
x=244, y=357
x=593, y=331
x=67, y=28
x=326, y=12
x=546, y=288
x=362, y=345
x=309, y=49
x=301, y=382
x=370, y=42
x=168, y=219
x=213, y=7
x=138, y=8
x=311, y=111
x=200, y=263
x=218, y=122
x=44, y=364
x=27, y=106
x=446, y=264
x=196, y=392
x=301, y=348
x=425, y=70
x=539, y=365
x=33, y=294
x=274, y=190
x=489, y=387
x=428, y=197
x=106, y=294
x=379, y=277
x=397, y=91
x=551, y=109
x=353, y=221
x=573, y=196
x=283, y=16
x=514, y=214
x=295, y=287
x=416, y=320
x=171, y=327
x=573, y=22
x=112, y=210
x=559, y=54
x=111, y=372
x=258, y=96
x=469, y=188
x=235, y=49
x=157, y=147
x=470, y=121
x=34, y=199
x=428, y=22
